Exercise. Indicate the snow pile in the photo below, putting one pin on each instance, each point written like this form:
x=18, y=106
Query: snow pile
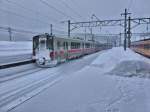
x=132, y=68
x=125, y=63
x=90, y=90
x=8, y=48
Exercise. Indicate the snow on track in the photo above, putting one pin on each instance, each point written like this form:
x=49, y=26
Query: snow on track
x=20, y=89
x=94, y=89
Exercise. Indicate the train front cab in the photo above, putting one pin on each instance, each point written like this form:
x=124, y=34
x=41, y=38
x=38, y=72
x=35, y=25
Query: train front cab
x=43, y=51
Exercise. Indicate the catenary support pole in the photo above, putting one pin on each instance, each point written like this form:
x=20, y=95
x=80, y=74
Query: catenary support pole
x=69, y=28
x=129, y=31
x=51, y=29
x=10, y=34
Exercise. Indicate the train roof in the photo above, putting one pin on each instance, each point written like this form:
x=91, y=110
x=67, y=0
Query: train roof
x=63, y=37
x=142, y=40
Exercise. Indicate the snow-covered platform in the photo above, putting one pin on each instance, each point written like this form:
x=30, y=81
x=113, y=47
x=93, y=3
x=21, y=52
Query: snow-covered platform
x=12, y=52
x=116, y=81
x=10, y=48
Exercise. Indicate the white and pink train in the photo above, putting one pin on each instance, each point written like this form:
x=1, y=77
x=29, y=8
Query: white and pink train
x=49, y=50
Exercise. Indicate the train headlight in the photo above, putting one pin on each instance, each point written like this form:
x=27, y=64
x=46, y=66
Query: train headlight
x=41, y=61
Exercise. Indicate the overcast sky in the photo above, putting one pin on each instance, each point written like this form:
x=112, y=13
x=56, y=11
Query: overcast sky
x=36, y=16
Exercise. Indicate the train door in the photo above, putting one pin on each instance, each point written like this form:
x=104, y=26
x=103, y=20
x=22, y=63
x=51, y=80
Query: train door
x=43, y=53
x=35, y=47
x=65, y=50
x=58, y=51
x=82, y=48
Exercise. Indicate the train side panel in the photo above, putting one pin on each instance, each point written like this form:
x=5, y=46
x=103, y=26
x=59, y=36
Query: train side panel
x=59, y=50
x=142, y=47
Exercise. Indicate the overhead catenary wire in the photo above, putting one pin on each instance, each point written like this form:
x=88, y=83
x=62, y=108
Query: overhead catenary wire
x=22, y=16
x=31, y=10
x=74, y=11
x=54, y=8
x=27, y=31
x=60, y=31
x=18, y=30
x=130, y=4
x=28, y=9
x=75, y=3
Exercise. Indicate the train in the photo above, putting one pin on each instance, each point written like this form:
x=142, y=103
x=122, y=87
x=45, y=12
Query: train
x=50, y=50
x=142, y=47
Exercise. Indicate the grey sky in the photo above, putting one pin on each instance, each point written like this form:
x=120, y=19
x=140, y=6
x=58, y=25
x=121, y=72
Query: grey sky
x=36, y=16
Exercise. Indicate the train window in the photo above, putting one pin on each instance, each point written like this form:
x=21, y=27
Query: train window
x=79, y=45
x=75, y=45
x=87, y=45
x=72, y=45
x=49, y=43
x=147, y=46
x=35, y=42
x=66, y=45
x=42, y=44
x=58, y=45
x=82, y=45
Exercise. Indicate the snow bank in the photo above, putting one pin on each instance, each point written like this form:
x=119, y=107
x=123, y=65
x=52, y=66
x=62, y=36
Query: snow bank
x=8, y=48
x=90, y=90
x=132, y=68
x=124, y=63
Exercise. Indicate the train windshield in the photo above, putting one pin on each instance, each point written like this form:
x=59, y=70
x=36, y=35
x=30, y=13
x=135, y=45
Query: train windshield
x=42, y=44
x=45, y=43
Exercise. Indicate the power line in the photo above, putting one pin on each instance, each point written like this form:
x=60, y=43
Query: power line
x=70, y=8
x=18, y=30
x=22, y=16
x=27, y=31
x=60, y=31
x=57, y=10
x=27, y=9
x=77, y=5
x=130, y=4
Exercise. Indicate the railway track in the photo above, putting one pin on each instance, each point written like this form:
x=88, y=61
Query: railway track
x=11, y=99
x=21, y=83
x=15, y=60
x=14, y=64
x=8, y=77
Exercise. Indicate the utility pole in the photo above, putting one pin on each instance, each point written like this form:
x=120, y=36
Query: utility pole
x=10, y=34
x=97, y=19
x=85, y=34
x=69, y=28
x=91, y=30
x=125, y=28
x=107, y=41
x=129, y=32
x=51, y=29
x=120, y=40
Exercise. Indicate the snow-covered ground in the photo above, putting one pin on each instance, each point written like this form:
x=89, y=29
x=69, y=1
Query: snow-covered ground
x=115, y=81
x=8, y=48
